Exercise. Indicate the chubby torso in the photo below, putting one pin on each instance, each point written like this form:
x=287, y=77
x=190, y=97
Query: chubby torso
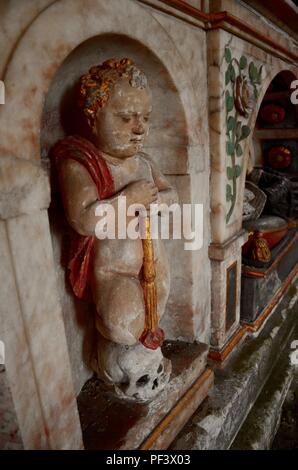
x=124, y=255
x=130, y=170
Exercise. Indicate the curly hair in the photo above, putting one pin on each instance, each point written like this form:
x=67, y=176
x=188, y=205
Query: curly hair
x=96, y=85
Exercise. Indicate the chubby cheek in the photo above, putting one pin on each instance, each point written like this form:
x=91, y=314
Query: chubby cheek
x=120, y=137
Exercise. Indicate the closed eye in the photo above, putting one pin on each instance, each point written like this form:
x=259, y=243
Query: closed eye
x=126, y=118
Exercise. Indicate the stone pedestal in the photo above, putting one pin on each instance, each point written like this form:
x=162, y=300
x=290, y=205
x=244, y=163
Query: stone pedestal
x=111, y=423
x=225, y=296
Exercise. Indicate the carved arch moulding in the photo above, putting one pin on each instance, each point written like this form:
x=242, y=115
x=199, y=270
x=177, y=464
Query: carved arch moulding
x=52, y=45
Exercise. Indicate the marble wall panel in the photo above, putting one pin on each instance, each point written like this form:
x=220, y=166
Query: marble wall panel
x=18, y=363
x=36, y=353
x=24, y=187
x=15, y=18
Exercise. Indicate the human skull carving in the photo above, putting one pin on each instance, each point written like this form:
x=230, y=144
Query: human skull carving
x=137, y=373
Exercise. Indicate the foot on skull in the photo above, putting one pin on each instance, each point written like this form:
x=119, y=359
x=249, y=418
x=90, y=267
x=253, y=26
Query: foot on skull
x=137, y=373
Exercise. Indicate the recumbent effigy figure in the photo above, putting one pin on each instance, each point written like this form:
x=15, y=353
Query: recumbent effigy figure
x=129, y=279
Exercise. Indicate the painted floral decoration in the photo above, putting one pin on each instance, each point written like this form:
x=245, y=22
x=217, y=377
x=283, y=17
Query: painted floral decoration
x=243, y=96
x=242, y=81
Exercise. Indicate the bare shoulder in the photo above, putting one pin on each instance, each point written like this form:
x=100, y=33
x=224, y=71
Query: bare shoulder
x=73, y=171
x=69, y=166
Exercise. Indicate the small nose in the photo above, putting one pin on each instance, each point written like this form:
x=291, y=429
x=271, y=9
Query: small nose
x=138, y=127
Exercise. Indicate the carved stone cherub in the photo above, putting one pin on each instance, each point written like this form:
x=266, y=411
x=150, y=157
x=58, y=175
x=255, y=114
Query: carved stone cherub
x=116, y=101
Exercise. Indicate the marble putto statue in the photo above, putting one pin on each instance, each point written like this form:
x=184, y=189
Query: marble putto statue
x=128, y=279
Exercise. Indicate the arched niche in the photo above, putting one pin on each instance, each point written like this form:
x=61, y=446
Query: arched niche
x=276, y=265
x=42, y=55
x=236, y=221
x=278, y=93
x=168, y=138
x=167, y=144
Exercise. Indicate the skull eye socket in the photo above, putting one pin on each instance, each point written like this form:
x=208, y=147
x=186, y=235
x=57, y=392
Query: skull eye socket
x=160, y=368
x=155, y=384
x=142, y=381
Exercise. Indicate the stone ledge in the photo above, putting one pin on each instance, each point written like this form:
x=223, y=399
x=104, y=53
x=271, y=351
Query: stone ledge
x=237, y=386
x=286, y=437
x=261, y=424
x=220, y=357
x=231, y=247
x=111, y=423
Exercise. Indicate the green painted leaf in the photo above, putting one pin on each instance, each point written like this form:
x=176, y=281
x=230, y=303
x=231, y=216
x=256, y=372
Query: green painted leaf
x=256, y=93
x=227, y=77
x=243, y=62
x=231, y=123
x=232, y=73
x=250, y=70
x=238, y=129
x=229, y=103
x=237, y=171
x=245, y=131
x=253, y=72
x=229, y=195
x=228, y=55
x=230, y=148
x=230, y=172
x=260, y=74
x=239, y=150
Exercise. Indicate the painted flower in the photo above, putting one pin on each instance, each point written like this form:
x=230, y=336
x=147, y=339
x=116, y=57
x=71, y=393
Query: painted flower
x=243, y=95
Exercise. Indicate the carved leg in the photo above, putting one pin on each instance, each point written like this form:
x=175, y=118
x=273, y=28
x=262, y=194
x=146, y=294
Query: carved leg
x=120, y=306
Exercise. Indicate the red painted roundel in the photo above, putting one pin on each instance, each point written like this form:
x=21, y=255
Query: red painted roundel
x=272, y=114
x=280, y=157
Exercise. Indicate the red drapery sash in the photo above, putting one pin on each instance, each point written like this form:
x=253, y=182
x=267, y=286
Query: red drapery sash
x=79, y=149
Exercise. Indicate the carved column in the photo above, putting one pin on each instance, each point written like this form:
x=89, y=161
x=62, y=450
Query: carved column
x=36, y=356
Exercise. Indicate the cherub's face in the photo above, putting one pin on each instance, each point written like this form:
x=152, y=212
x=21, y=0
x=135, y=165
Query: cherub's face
x=122, y=124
